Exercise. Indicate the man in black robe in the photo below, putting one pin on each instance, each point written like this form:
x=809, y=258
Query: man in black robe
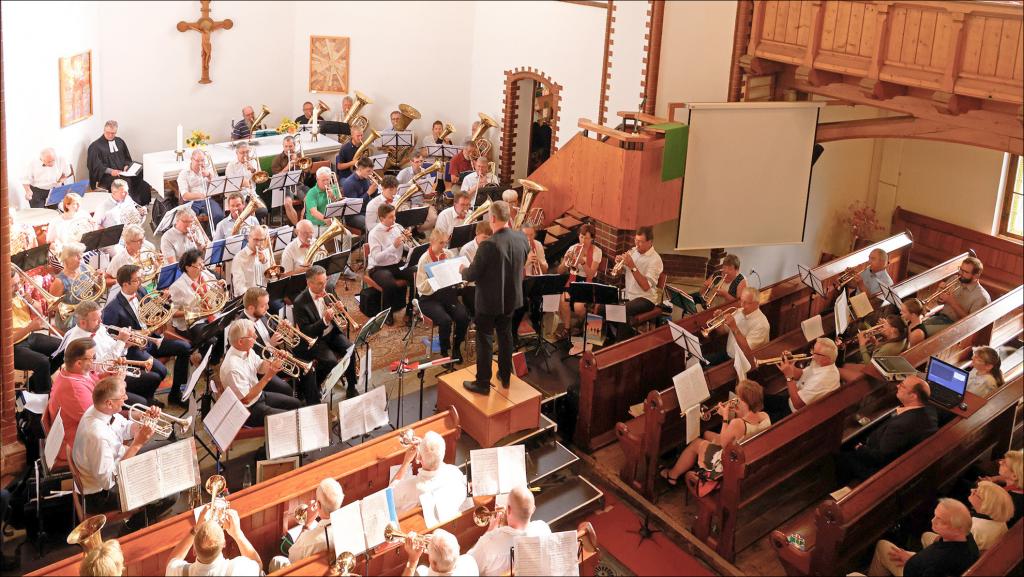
x=108, y=158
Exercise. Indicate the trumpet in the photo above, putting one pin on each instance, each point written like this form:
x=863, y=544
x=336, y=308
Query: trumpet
x=217, y=487
x=717, y=320
x=706, y=413
x=781, y=359
x=131, y=369
x=162, y=425
x=847, y=276
x=620, y=262
x=408, y=439
x=535, y=269
x=340, y=310
x=291, y=366
x=709, y=293
x=873, y=332
x=290, y=334
x=138, y=339
x=482, y=516
x=393, y=534
x=949, y=286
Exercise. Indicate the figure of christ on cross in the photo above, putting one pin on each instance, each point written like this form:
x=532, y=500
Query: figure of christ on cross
x=205, y=25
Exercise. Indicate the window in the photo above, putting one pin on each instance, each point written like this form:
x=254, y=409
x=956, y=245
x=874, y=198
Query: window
x=1012, y=222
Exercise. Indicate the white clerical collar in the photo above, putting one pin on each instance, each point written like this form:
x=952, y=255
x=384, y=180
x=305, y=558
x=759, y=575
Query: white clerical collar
x=113, y=145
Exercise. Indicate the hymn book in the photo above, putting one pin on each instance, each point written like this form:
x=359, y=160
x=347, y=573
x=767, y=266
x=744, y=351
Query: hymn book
x=554, y=554
x=300, y=431
x=359, y=526
x=156, y=474
x=499, y=470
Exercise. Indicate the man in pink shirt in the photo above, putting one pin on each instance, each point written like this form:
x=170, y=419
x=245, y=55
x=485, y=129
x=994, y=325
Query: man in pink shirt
x=72, y=391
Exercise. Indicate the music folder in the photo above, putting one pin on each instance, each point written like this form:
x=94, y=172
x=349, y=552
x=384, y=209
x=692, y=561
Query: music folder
x=498, y=470
x=462, y=234
x=32, y=258
x=413, y=258
x=156, y=474
x=168, y=274
x=545, y=284
x=58, y=193
x=287, y=287
x=412, y=216
x=102, y=238
x=300, y=431
x=359, y=526
x=556, y=554
x=334, y=264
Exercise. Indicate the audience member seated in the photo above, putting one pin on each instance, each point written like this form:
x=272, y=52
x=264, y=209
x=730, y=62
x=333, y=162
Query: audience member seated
x=733, y=283
x=748, y=329
x=108, y=158
x=994, y=506
x=970, y=298
x=491, y=549
x=742, y=416
x=951, y=553
x=208, y=539
x=913, y=422
x=104, y=438
x=875, y=275
x=107, y=559
x=807, y=385
x=311, y=537
x=1010, y=476
x=912, y=312
x=443, y=550
x=986, y=375
x=44, y=173
x=445, y=482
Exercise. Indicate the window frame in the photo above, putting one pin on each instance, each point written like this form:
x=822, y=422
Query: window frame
x=1007, y=199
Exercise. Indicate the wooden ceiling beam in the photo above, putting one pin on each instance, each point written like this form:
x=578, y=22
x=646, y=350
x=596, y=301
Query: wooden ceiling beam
x=917, y=128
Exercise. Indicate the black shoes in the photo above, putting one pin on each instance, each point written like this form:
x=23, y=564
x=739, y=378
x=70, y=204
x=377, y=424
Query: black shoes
x=475, y=387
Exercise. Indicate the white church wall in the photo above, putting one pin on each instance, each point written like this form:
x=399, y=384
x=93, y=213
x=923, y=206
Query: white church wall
x=627, y=60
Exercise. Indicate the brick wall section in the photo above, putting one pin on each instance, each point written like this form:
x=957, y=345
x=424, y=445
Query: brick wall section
x=615, y=241
x=606, y=73
x=510, y=117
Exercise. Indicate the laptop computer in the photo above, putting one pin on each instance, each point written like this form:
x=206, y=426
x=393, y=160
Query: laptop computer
x=948, y=383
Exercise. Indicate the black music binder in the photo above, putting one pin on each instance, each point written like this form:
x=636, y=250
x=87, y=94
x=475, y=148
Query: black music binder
x=32, y=258
x=412, y=217
x=102, y=238
x=462, y=234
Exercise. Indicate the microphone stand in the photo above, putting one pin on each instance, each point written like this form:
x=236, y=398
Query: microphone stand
x=401, y=370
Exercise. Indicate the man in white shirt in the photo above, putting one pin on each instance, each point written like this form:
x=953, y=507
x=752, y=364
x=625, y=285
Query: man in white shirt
x=642, y=267
x=748, y=329
x=192, y=185
x=443, y=550
x=176, y=240
x=492, y=549
x=235, y=203
x=389, y=186
x=118, y=208
x=387, y=246
x=454, y=215
x=294, y=254
x=312, y=536
x=444, y=483
x=208, y=539
x=807, y=385
x=133, y=242
x=478, y=179
x=104, y=439
x=240, y=372
x=42, y=174
x=241, y=167
x=249, y=264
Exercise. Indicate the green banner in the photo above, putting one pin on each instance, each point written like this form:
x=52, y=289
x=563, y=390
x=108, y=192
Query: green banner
x=673, y=160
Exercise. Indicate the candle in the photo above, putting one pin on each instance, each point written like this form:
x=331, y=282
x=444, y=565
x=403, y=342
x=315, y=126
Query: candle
x=180, y=143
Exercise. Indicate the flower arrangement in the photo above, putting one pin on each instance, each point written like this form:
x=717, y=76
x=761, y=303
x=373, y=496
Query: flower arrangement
x=862, y=220
x=197, y=138
x=287, y=126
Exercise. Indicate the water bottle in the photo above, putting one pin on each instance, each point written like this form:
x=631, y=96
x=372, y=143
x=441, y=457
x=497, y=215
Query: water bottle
x=247, y=479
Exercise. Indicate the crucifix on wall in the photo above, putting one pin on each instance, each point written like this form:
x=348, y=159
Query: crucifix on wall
x=205, y=25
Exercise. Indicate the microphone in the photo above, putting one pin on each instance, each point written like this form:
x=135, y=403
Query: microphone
x=416, y=307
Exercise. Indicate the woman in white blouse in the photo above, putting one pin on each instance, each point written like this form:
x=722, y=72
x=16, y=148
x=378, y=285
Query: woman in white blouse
x=69, y=226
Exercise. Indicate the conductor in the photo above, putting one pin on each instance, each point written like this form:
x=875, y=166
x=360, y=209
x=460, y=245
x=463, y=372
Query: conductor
x=497, y=270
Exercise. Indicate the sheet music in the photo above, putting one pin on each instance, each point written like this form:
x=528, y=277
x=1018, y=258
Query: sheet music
x=336, y=373
x=54, y=441
x=139, y=480
x=842, y=313
x=347, y=530
x=615, y=313
x=691, y=387
x=529, y=556
x=511, y=467
x=352, y=418
x=282, y=435
x=179, y=467
x=132, y=170
x=313, y=429
x=378, y=511
x=376, y=408
x=692, y=423
x=550, y=303
x=687, y=341
x=225, y=419
x=447, y=273
x=498, y=470
x=484, y=468
x=193, y=379
x=861, y=305
x=741, y=364
x=34, y=403
x=812, y=328
x=562, y=553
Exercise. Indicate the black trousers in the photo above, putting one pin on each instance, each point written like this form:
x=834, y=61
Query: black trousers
x=387, y=277
x=276, y=398
x=39, y=196
x=140, y=190
x=33, y=354
x=328, y=352
x=468, y=294
x=486, y=327
x=146, y=385
x=444, y=309
x=176, y=348
x=634, y=307
x=777, y=406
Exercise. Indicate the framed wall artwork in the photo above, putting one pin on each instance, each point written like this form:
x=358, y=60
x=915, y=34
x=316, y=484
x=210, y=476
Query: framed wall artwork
x=328, y=64
x=75, y=88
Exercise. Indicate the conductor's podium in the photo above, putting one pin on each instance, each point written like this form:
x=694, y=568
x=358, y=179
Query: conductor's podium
x=492, y=417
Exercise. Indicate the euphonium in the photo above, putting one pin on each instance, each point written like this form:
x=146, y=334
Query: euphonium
x=393, y=534
x=89, y=285
x=290, y=334
x=483, y=145
x=478, y=212
x=155, y=309
x=717, y=321
x=531, y=190
x=414, y=187
x=291, y=366
x=448, y=131
x=264, y=113
x=408, y=115
x=781, y=359
x=709, y=293
x=87, y=533
x=706, y=413
x=316, y=250
x=368, y=137
x=249, y=210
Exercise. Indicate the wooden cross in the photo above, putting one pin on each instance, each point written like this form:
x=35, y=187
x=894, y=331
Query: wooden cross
x=205, y=25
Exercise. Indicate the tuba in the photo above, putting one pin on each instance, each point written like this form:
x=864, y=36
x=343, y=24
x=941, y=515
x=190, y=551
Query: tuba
x=408, y=115
x=478, y=212
x=258, y=121
x=316, y=250
x=483, y=146
x=250, y=209
x=526, y=213
x=368, y=139
x=87, y=533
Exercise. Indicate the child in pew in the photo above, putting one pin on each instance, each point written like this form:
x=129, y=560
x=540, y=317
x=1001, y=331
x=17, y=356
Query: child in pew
x=993, y=507
x=986, y=376
x=740, y=421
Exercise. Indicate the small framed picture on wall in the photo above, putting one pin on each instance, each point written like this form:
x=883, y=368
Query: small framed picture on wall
x=75, y=88
x=328, y=64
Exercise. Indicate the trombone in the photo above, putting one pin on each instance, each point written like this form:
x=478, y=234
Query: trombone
x=717, y=320
x=949, y=286
x=333, y=192
x=162, y=425
x=291, y=366
x=790, y=357
x=708, y=294
x=290, y=334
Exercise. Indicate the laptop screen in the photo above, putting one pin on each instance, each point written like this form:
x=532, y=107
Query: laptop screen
x=947, y=376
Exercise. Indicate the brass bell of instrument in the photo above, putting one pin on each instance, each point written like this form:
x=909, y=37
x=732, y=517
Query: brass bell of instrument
x=87, y=533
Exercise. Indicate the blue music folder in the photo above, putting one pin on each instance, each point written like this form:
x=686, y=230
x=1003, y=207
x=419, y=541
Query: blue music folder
x=58, y=193
x=168, y=274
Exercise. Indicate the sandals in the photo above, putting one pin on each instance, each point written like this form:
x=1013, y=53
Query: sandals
x=664, y=474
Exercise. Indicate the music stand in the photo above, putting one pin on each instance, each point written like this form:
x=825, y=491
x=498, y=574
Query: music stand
x=169, y=217
x=889, y=295
x=462, y=234
x=681, y=300
x=379, y=160
x=102, y=238
x=536, y=287
x=58, y=193
x=344, y=207
x=168, y=274
x=281, y=236
x=413, y=258
x=286, y=288
x=371, y=328
x=807, y=277
x=412, y=217
x=278, y=183
x=591, y=293
x=487, y=192
x=31, y=258
x=688, y=342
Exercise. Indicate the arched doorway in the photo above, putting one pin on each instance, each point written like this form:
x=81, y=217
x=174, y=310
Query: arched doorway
x=530, y=128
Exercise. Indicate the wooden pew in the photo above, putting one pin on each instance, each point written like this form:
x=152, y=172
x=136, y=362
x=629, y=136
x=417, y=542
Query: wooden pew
x=1005, y=558
x=390, y=558
x=932, y=276
x=775, y=474
x=361, y=470
x=837, y=532
x=621, y=375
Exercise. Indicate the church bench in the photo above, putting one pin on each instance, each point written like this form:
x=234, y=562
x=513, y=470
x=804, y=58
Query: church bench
x=939, y=272
x=836, y=533
x=262, y=508
x=1004, y=558
x=621, y=375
